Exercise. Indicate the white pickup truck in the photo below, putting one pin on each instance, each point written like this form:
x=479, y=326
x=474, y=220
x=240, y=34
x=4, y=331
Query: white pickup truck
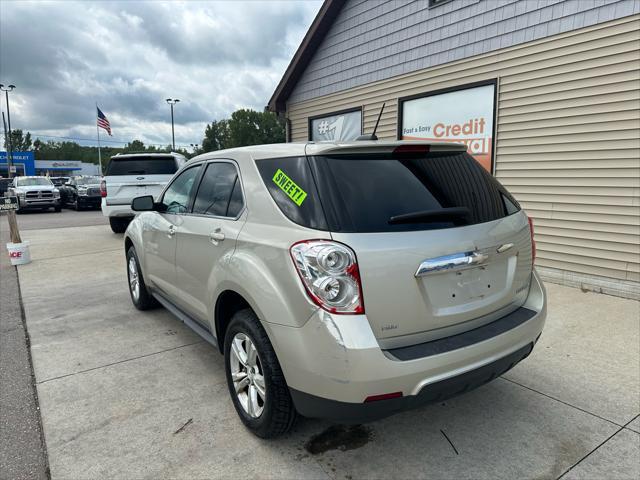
x=132, y=175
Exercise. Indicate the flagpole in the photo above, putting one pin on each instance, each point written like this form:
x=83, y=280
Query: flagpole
x=98, y=132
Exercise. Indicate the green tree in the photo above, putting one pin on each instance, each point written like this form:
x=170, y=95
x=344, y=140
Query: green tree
x=20, y=142
x=248, y=127
x=135, y=146
x=245, y=127
x=216, y=136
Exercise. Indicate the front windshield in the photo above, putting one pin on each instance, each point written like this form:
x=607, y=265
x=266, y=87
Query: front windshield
x=87, y=181
x=33, y=181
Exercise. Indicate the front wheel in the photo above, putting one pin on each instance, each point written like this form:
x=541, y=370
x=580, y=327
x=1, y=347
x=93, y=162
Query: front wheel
x=140, y=296
x=57, y=208
x=256, y=383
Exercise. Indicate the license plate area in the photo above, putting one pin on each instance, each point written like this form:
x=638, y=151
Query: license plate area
x=465, y=287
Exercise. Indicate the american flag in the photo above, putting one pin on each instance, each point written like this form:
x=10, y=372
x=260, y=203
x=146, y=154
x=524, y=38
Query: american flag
x=103, y=122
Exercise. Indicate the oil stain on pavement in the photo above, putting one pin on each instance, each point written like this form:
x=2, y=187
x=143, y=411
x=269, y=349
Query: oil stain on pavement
x=339, y=437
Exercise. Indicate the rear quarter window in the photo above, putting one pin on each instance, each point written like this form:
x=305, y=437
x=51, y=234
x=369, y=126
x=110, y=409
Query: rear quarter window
x=291, y=185
x=141, y=165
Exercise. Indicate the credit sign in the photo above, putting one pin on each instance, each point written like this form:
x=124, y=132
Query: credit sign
x=461, y=116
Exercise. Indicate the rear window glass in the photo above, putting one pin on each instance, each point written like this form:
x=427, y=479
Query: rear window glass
x=291, y=185
x=141, y=165
x=439, y=190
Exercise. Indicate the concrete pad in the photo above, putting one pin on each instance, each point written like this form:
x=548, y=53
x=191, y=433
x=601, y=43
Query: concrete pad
x=588, y=355
x=618, y=458
x=635, y=425
x=85, y=319
x=120, y=422
x=500, y=431
x=59, y=243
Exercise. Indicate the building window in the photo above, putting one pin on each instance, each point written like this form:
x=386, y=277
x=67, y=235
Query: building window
x=344, y=125
x=463, y=114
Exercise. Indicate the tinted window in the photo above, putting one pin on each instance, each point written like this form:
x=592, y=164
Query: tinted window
x=439, y=190
x=219, y=193
x=141, y=165
x=296, y=171
x=176, y=197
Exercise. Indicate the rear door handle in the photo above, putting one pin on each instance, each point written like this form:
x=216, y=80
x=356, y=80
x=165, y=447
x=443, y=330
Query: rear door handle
x=450, y=262
x=216, y=236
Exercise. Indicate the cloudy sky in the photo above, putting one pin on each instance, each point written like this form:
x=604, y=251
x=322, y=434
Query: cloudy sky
x=128, y=56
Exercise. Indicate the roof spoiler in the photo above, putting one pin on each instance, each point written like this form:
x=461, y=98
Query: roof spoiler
x=384, y=147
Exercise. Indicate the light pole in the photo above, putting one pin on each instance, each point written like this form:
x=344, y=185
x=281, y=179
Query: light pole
x=6, y=91
x=172, y=102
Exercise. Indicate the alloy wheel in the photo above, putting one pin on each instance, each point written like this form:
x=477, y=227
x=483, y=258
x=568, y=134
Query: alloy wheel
x=134, y=282
x=247, y=375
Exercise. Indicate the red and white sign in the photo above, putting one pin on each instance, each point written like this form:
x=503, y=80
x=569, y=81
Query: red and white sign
x=462, y=116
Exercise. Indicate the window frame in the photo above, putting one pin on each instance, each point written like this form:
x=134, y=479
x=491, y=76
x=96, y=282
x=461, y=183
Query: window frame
x=204, y=166
x=173, y=180
x=456, y=88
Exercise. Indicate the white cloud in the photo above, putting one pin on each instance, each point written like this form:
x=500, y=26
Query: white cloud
x=215, y=57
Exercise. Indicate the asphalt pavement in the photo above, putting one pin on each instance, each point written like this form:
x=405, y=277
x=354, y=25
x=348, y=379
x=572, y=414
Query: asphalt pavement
x=127, y=394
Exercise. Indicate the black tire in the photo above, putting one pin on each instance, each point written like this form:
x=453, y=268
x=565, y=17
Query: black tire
x=76, y=205
x=118, y=224
x=279, y=413
x=144, y=300
x=57, y=208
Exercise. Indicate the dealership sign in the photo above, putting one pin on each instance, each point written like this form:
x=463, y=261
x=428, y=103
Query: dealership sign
x=464, y=116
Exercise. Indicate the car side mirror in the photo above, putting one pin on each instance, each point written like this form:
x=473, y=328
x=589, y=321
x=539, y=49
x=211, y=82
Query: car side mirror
x=143, y=204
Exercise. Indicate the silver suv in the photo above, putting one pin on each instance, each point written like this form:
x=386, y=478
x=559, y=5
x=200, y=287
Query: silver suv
x=341, y=281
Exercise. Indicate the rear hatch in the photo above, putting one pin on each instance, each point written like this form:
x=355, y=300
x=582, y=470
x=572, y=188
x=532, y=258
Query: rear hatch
x=131, y=176
x=441, y=246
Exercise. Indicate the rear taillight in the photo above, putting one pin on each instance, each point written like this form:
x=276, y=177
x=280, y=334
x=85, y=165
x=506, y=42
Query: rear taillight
x=533, y=241
x=329, y=273
x=103, y=188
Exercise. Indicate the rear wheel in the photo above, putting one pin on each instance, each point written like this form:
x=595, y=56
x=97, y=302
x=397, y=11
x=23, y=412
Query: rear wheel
x=57, y=208
x=256, y=383
x=118, y=224
x=140, y=296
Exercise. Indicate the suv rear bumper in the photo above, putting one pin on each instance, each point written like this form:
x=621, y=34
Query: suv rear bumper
x=354, y=413
x=118, y=210
x=334, y=362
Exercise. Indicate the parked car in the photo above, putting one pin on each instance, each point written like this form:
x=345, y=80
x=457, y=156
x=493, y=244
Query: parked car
x=341, y=281
x=4, y=185
x=59, y=181
x=81, y=192
x=35, y=192
x=131, y=175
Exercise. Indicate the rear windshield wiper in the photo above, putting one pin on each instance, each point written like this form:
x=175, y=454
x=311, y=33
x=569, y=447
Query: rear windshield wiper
x=450, y=213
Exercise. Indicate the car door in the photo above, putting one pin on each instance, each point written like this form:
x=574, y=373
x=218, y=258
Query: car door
x=159, y=231
x=207, y=236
